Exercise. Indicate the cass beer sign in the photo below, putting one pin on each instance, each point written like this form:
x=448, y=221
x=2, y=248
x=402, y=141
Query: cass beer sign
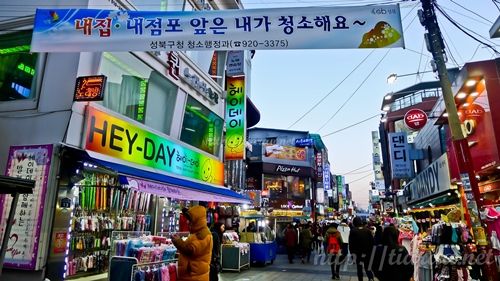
x=415, y=119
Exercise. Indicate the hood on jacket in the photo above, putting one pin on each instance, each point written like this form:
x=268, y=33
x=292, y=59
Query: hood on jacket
x=198, y=218
x=331, y=230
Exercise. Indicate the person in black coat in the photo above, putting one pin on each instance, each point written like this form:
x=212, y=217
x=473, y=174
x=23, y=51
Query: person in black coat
x=391, y=261
x=361, y=245
x=215, y=263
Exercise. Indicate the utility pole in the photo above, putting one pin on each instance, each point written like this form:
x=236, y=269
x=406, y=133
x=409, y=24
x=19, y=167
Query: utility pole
x=435, y=45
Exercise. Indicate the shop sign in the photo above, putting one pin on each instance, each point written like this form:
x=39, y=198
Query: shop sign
x=319, y=165
x=287, y=213
x=326, y=177
x=415, y=119
x=489, y=186
x=320, y=195
x=90, y=88
x=377, y=163
x=235, y=63
x=235, y=118
x=173, y=65
x=200, y=86
x=285, y=152
x=304, y=142
x=282, y=169
x=132, y=142
x=60, y=241
x=98, y=30
x=27, y=162
x=400, y=156
x=286, y=204
x=432, y=180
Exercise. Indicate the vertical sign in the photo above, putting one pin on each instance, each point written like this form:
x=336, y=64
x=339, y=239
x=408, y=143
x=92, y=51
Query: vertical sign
x=33, y=163
x=400, y=156
x=319, y=166
x=235, y=118
x=235, y=63
x=326, y=177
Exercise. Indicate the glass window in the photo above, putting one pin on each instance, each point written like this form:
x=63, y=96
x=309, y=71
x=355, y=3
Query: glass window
x=137, y=91
x=18, y=67
x=201, y=127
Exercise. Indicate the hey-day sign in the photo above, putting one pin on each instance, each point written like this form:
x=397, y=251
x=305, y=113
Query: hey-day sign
x=82, y=30
x=115, y=137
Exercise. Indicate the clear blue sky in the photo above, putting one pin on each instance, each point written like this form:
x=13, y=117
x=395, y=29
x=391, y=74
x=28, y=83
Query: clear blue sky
x=286, y=84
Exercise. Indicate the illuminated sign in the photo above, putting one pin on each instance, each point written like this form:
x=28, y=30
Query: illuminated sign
x=235, y=118
x=90, y=88
x=118, y=138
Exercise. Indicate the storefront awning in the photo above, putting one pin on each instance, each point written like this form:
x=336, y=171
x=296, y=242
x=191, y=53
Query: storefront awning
x=169, y=186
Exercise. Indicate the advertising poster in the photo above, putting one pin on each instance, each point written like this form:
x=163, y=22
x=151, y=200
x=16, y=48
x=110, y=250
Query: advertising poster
x=235, y=118
x=95, y=30
x=33, y=163
x=285, y=152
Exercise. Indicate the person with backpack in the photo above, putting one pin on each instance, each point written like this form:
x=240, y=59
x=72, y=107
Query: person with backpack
x=306, y=239
x=334, y=241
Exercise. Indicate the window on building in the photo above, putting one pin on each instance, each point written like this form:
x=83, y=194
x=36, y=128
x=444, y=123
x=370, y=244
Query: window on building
x=137, y=91
x=201, y=127
x=271, y=140
x=18, y=67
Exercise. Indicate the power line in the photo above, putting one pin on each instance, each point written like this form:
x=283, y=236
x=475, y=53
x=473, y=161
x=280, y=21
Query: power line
x=331, y=91
x=357, y=169
x=471, y=11
x=496, y=4
x=341, y=82
x=361, y=178
x=355, y=91
x=350, y=126
x=464, y=29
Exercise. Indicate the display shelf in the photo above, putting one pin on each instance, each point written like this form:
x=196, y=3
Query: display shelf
x=234, y=258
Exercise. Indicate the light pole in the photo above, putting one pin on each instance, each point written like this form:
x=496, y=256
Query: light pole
x=435, y=42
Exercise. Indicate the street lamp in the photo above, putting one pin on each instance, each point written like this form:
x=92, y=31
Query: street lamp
x=393, y=76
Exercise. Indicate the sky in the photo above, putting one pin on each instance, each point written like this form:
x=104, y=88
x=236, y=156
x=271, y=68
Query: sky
x=285, y=84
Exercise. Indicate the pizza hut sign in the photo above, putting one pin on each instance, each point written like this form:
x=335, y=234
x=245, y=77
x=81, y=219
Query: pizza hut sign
x=415, y=119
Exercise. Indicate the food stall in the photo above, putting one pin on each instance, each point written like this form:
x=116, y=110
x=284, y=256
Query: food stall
x=260, y=236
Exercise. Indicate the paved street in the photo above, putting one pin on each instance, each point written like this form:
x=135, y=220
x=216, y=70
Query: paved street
x=281, y=270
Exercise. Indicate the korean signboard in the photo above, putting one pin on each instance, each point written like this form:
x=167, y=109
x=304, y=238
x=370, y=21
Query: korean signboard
x=132, y=142
x=377, y=162
x=27, y=162
x=319, y=166
x=95, y=30
x=415, y=119
x=304, y=142
x=90, y=88
x=235, y=63
x=432, y=180
x=400, y=156
x=326, y=177
x=235, y=118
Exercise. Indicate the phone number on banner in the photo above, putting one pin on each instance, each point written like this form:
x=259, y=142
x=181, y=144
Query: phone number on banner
x=216, y=44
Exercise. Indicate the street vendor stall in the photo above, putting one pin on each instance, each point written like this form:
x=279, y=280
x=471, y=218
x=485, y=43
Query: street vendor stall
x=259, y=235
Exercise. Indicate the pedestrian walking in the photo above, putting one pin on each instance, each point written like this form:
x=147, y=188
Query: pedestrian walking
x=306, y=238
x=290, y=241
x=194, y=253
x=333, y=249
x=344, y=230
x=361, y=246
x=390, y=257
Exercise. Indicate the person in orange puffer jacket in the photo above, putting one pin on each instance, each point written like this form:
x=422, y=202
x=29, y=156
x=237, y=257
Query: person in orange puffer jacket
x=195, y=253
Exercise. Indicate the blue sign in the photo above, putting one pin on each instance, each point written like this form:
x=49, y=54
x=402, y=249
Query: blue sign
x=326, y=177
x=304, y=142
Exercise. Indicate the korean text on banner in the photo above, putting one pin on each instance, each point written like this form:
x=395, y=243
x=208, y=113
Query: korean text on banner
x=94, y=30
x=400, y=156
x=33, y=163
x=235, y=118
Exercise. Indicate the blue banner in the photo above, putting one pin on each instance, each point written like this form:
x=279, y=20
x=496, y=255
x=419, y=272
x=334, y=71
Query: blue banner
x=93, y=30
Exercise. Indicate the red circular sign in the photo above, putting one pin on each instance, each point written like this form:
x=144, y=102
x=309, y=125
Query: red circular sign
x=415, y=119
